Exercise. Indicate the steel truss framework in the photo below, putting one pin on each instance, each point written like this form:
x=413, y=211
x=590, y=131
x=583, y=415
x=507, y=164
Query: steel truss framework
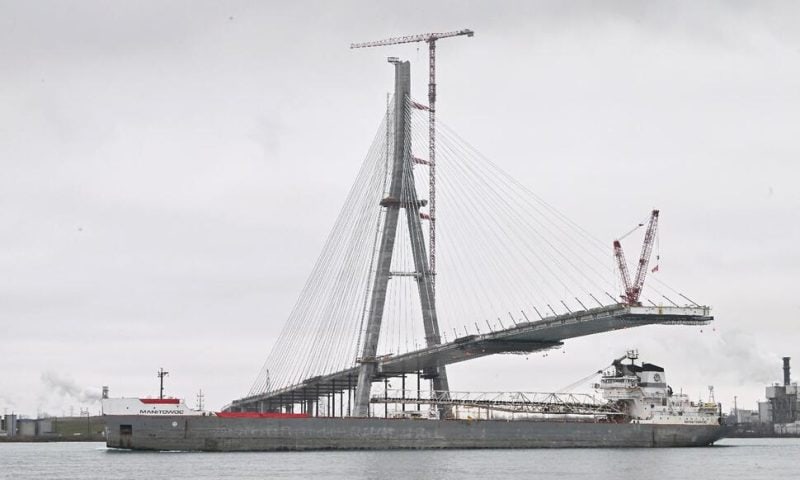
x=510, y=402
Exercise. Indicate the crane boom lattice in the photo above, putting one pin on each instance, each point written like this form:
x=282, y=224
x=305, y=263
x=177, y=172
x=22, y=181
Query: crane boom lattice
x=634, y=289
x=424, y=37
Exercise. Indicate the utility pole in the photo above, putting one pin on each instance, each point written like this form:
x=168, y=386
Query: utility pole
x=88, y=421
x=161, y=375
x=430, y=39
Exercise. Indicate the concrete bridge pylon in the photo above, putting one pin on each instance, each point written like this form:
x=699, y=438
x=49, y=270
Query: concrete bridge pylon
x=400, y=196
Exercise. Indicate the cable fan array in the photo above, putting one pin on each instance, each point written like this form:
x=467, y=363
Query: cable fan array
x=323, y=329
x=504, y=255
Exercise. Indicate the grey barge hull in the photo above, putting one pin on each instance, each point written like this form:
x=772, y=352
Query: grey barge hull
x=261, y=434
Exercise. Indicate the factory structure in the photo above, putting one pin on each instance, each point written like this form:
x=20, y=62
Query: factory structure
x=777, y=415
x=14, y=428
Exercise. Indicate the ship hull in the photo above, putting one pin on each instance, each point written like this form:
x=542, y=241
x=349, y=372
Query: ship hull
x=259, y=434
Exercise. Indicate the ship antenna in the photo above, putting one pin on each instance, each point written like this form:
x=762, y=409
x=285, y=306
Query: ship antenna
x=200, y=398
x=161, y=374
x=633, y=354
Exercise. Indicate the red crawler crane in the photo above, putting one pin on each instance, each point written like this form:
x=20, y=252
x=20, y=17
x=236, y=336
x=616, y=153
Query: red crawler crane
x=633, y=290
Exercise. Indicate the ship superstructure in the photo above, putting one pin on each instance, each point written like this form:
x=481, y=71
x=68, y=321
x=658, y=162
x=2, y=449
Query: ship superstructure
x=147, y=406
x=642, y=392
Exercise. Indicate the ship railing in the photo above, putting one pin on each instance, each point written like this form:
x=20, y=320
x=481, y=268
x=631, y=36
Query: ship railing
x=542, y=403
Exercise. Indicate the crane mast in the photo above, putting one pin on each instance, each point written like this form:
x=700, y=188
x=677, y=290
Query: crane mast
x=430, y=39
x=634, y=289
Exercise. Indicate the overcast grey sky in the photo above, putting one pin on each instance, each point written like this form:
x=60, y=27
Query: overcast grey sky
x=170, y=170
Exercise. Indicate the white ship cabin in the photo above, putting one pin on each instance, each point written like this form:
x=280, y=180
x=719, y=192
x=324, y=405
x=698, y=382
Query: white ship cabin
x=642, y=392
x=147, y=406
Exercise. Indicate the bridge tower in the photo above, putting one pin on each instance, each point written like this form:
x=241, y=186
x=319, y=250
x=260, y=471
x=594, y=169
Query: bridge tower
x=405, y=198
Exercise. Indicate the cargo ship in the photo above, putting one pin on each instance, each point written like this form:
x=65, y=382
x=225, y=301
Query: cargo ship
x=635, y=408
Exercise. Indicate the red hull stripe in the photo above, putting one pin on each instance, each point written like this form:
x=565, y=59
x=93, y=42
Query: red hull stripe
x=160, y=401
x=261, y=415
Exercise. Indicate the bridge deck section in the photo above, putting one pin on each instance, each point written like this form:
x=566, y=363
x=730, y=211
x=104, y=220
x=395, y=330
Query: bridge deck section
x=524, y=337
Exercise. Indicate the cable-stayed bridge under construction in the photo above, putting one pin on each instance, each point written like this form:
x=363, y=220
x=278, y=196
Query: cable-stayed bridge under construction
x=512, y=275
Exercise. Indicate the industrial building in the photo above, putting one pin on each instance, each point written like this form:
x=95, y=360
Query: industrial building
x=12, y=427
x=777, y=415
x=781, y=406
x=83, y=428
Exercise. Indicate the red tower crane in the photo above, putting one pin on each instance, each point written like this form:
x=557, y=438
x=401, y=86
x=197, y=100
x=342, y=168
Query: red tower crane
x=634, y=290
x=430, y=39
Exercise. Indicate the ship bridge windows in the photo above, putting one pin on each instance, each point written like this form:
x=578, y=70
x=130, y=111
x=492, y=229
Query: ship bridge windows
x=649, y=367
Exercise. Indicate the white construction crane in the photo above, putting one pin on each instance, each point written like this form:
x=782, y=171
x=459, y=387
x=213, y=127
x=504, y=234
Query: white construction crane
x=430, y=39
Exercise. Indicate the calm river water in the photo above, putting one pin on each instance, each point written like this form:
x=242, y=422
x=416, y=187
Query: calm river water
x=729, y=459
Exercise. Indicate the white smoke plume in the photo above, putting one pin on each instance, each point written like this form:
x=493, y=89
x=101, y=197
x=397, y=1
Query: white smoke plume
x=741, y=357
x=6, y=403
x=753, y=362
x=66, y=387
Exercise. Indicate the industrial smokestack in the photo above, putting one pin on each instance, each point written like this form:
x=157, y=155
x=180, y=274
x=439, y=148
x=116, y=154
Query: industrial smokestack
x=787, y=378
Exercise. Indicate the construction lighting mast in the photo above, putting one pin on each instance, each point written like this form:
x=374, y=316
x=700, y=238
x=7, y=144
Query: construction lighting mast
x=634, y=290
x=430, y=39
